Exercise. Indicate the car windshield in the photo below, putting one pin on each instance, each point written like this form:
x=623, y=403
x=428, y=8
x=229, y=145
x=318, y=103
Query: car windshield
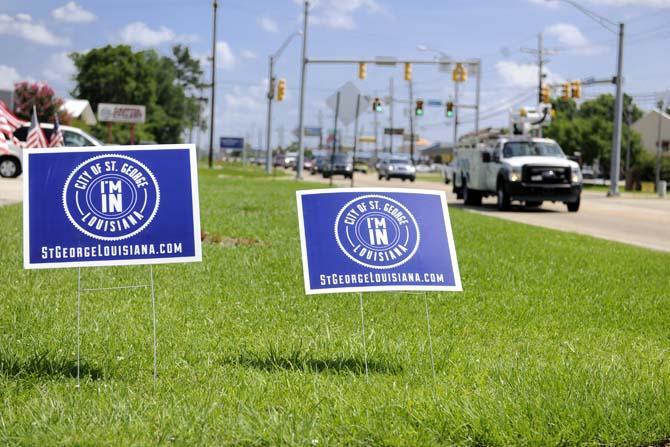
x=526, y=148
x=399, y=161
x=341, y=158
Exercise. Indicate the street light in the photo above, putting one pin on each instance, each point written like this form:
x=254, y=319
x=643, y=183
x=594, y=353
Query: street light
x=271, y=94
x=618, y=100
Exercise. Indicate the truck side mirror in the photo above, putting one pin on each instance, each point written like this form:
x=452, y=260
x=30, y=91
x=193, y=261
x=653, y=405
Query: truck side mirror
x=486, y=157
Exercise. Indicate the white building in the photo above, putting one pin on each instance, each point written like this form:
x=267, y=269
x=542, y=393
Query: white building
x=81, y=109
x=648, y=128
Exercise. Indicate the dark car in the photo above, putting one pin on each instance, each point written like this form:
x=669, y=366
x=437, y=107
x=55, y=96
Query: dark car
x=338, y=164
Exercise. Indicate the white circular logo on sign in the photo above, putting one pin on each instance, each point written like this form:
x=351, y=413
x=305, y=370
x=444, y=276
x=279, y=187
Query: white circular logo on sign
x=111, y=197
x=376, y=231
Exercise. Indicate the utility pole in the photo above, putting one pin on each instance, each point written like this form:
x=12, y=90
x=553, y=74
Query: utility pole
x=211, y=117
x=301, y=113
x=376, y=123
x=320, y=118
x=477, y=96
x=411, y=122
x=618, y=112
x=540, y=52
x=456, y=114
x=657, y=176
x=391, y=115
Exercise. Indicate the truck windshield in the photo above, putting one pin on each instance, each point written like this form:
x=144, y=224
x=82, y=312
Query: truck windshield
x=526, y=148
x=399, y=161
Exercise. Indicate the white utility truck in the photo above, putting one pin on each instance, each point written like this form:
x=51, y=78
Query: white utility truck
x=519, y=168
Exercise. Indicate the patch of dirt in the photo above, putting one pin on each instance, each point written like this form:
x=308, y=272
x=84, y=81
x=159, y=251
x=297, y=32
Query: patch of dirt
x=227, y=241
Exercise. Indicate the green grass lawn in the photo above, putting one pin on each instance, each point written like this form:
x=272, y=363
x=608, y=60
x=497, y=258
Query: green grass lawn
x=558, y=339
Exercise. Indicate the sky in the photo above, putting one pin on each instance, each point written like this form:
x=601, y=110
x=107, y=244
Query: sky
x=37, y=36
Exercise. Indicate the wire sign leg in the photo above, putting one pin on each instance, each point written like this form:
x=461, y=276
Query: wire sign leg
x=365, y=348
x=78, y=321
x=153, y=310
x=430, y=339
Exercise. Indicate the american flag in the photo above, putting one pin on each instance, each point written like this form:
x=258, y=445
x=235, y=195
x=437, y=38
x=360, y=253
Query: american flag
x=56, y=135
x=36, y=136
x=4, y=147
x=8, y=124
x=13, y=121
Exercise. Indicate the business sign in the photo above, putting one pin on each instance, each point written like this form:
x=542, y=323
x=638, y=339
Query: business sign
x=312, y=131
x=121, y=113
x=110, y=205
x=394, y=130
x=231, y=143
x=376, y=239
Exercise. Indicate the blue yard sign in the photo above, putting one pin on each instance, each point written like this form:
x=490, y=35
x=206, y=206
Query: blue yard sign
x=110, y=205
x=376, y=239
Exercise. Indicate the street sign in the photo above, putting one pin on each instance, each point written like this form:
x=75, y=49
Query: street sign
x=435, y=102
x=394, y=130
x=121, y=113
x=110, y=205
x=348, y=97
x=231, y=143
x=376, y=239
x=367, y=139
x=309, y=131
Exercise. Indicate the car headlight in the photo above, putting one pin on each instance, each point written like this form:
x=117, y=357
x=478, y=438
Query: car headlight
x=514, y=174
x=576, y=175
x=412, y=169
x=350, y=167
x=390, y=168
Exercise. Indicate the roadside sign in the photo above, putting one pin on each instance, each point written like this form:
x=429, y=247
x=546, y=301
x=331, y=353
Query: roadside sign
x=394, y=130
x=348, y=98
x=110, y=205
x=312, y=131
x=231, y=143
x=367, y=139
x=121, y=113
x=376, y=239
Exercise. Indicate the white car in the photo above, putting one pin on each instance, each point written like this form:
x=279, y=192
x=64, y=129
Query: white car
x=10, y=164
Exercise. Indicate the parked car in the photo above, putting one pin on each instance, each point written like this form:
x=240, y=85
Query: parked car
x=395, y=167
x=338, y=164
x=11, y=163
x=360, y=166
x=318, y=164
x=72, y=136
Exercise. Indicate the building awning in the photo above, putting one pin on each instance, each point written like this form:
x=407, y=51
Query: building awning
x=81, y=109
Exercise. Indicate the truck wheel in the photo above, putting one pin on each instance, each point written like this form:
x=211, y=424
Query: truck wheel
x=379, y=177
x=470, y=197
x=458, y=191
x=573, y=207
x=503, y=197
x=9, y=167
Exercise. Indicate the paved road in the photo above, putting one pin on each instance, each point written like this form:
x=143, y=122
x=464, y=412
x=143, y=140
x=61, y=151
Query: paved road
x=642, y=221
x=10, y=190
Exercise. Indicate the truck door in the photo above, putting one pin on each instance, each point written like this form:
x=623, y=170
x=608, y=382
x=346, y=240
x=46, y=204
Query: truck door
x=493, y=167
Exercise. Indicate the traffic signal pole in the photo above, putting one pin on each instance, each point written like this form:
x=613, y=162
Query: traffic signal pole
x=411, y=121
x=456, y=114
x=391, y=114
x=271, y=90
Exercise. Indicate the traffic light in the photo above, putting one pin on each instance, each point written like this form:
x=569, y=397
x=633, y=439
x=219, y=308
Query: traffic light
x=544, y=95
x=281, y=89
x=408, y=71
x=565, y=91
x=450, y=109
x=377, y=105
x=418, y=110
x=576, y=89
x=460, y=73
x=362, y=70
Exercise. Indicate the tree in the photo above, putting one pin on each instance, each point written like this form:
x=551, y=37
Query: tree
x=116, y=74
x=588, y=128
x=189, y=75
x=43, y=97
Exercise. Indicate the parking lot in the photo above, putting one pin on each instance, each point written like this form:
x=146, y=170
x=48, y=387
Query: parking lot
x=641, y=220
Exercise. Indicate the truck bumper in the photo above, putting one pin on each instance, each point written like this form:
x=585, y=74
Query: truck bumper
x=535, y=192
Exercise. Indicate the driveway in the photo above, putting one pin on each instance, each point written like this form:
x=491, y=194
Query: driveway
x=11, y=190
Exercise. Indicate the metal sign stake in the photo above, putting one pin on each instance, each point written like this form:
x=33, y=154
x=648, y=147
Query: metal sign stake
x=78, y=320
x=365, y=347
x=430, y=338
